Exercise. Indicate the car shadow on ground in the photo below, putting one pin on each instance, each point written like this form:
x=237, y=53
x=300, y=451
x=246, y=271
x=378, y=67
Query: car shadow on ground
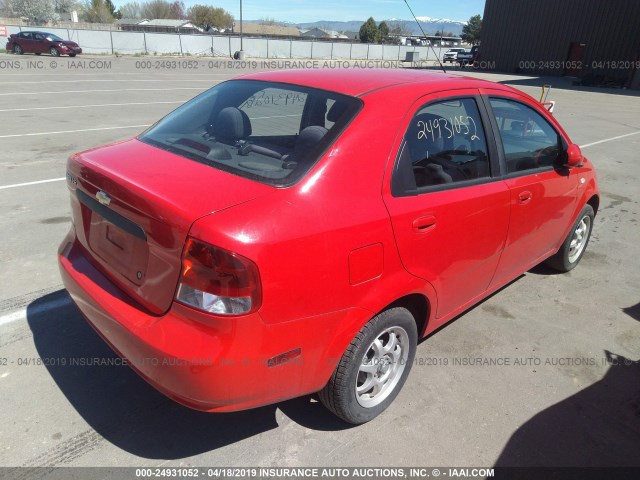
x=543, y=270
x=132, y=415
x=597, y=427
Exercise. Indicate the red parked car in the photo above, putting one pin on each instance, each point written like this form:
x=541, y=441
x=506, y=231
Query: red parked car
x=41, y=42
x=294, y=232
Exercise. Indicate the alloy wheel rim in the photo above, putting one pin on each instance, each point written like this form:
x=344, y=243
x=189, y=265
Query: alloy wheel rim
x=579, y=238
x=382, y=366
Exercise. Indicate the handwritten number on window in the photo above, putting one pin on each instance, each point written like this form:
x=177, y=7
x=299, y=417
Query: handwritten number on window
x=458, y=125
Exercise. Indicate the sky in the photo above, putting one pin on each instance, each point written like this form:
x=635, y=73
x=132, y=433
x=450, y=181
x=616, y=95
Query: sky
x=301, y=11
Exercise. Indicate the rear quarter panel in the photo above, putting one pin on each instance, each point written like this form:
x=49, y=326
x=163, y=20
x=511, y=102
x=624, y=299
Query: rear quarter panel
x=301, y=236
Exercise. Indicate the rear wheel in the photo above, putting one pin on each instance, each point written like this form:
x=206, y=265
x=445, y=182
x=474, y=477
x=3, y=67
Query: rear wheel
x=575, y=244
x=374, y=368
x=17, y=49
x=54, y=52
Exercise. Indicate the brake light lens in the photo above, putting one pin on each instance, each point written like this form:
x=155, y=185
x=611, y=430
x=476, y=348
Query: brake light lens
x=218, y=281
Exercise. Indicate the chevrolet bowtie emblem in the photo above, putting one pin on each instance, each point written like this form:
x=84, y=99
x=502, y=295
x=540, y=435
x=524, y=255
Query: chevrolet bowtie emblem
x=103, y=198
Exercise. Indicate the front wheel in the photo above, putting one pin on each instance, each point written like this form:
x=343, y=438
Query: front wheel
x=54, y=52
x=575, y=244
x=374, y=367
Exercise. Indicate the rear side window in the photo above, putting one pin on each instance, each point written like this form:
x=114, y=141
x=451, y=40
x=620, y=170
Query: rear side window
x=269, y=132
x=445, y=144
x=529, y=141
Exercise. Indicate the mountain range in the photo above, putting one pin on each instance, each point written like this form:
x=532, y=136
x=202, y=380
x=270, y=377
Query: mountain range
x=429, y=25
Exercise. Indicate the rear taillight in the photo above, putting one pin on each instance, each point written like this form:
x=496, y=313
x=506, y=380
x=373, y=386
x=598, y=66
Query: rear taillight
x=218, y=281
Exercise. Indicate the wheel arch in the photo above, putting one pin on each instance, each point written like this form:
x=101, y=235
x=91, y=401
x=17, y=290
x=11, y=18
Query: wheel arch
x=419, y=307
x=594, y=201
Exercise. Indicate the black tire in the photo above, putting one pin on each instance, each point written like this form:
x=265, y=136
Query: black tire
x=568, y=257
x=17, y=49
x=72, y=54
x=54, y=52
x=37, y=53
x=340, y=396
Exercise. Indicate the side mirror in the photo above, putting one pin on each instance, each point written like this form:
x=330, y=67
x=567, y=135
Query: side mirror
x=574, y=156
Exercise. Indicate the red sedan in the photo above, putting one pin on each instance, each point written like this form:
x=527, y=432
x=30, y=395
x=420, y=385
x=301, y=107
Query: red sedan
x=294, y=232
x=41, y=42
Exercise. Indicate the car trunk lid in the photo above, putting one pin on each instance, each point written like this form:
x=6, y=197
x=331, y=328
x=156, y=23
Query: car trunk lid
x=133, y=205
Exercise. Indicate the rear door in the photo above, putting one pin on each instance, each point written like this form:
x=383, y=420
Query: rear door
x=25, y=40
x=448, y=207
x=542, y=191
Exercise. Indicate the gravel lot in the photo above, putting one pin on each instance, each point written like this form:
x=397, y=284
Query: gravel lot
x=545, y=372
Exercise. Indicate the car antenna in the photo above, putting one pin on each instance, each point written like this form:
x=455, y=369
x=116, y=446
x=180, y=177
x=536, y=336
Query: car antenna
x=420, y=26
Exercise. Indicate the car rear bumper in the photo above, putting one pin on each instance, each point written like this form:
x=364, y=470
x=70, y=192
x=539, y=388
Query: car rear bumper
x=202, y=361
x=213, y=367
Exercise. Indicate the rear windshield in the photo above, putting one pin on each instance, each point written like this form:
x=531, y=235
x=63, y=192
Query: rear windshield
x=264, y=131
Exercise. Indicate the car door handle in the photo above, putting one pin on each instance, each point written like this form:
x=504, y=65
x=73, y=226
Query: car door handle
x=424, y=224
x=525, y=197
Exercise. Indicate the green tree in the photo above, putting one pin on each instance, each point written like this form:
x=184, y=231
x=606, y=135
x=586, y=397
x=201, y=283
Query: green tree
x=369, y=31
x=206, y=17
x=97, y=11
x=383, y=32
x=471, y=31
x=112, y=9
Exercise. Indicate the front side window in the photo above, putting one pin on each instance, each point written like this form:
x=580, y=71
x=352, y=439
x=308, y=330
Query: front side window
x=445, y=144
x=265, y=131
x=529, y=141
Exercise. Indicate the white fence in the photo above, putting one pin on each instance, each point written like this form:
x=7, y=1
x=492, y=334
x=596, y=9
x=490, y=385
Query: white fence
x=131, y=43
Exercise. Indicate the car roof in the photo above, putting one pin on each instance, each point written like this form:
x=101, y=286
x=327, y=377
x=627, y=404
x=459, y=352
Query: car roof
x=359, y=82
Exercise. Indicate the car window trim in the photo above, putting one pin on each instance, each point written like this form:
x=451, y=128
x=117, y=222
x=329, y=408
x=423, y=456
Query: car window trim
x=450, y=186
x=399, y=186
